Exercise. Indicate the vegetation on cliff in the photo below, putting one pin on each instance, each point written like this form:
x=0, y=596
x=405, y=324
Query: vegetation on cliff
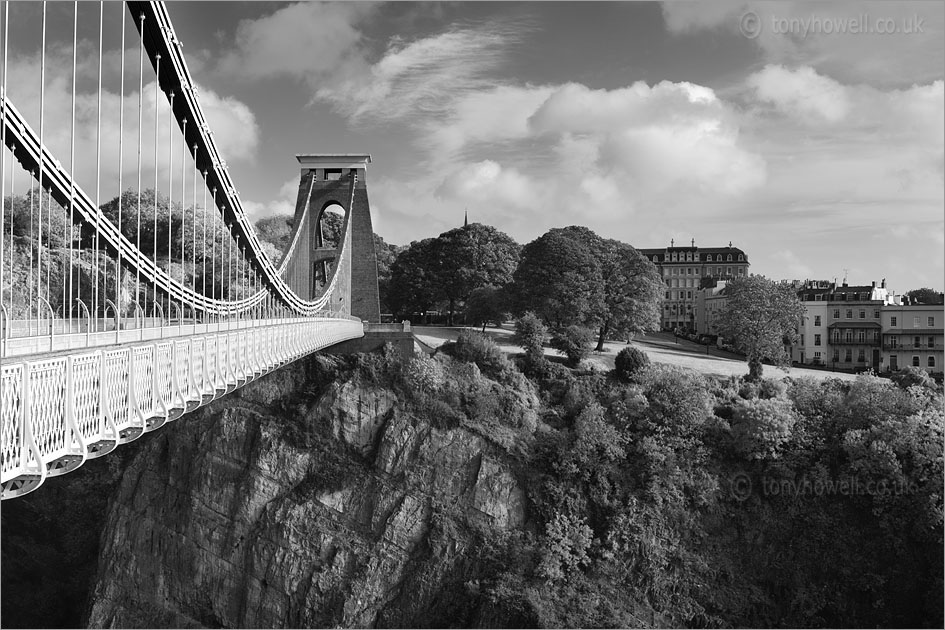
x=474, y=489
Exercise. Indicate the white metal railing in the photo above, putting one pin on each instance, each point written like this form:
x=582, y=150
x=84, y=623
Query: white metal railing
x=57, y=411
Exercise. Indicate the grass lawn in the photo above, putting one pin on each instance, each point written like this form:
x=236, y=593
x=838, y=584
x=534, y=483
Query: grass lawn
x=660, y=347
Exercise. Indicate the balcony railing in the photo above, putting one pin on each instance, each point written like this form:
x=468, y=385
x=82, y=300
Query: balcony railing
x=843, y=341
x=911, y=346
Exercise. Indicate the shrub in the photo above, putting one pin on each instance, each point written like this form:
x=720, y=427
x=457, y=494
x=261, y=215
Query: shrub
x=629, y=362
x=911, y=375
x=772, y=388
x=574, y=342
x=678, y=404
x=530, y=334
x=423, y=374
x=472, y=347
x=760, y=427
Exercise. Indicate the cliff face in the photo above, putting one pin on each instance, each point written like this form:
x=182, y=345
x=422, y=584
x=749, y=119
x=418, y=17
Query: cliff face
x=306, y=499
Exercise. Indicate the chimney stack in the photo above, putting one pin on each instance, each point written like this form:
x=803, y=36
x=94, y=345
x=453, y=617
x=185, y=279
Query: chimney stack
x=874, y=284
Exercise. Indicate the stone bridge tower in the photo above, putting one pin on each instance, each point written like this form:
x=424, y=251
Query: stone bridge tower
x=325, y=182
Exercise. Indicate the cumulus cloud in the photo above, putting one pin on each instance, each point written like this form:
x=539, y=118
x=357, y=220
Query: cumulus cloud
x=803, y=93
x=307, y=40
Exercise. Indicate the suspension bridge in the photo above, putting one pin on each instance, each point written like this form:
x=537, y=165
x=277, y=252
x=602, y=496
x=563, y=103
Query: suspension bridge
x=118, y=318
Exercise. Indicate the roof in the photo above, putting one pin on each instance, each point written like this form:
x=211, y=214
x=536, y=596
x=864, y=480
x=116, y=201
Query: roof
x=662, y=251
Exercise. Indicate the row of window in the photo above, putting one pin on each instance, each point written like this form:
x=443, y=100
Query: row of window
x=916, y=342
x=691, y=283
x=691, y=257
x=836, y=297
x=893, y=360
x=894, y=321
x=861, y=358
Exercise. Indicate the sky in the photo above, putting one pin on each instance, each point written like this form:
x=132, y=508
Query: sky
x=785, y=128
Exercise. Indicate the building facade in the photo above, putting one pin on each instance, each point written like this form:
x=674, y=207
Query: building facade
x=710, y=304
x=842, y=325
x=912, y=336
x=686, y=270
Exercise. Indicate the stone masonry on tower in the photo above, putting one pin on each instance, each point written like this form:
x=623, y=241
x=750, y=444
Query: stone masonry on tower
x=325, y=181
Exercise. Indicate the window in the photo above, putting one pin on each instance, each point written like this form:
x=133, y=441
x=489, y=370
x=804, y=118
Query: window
x=818, y=297
x=729, y=258
x=931, y=322
x=931, y=342
x=849, y=314
x=802, y=340
x=915, y=361
x=836, y=313
x=718, y=270
x=728, y=271
x=915, y=321
x=876, y=314
x=690, y=294
x=816, y=340
x=861, y=356
x=862, y=314
x=861, y=336
x=689, y=270
x=817, y=357
x=708, y=258
x=931, y=361
x=848, y=357
x=740, y=258
x=741, y=271
x=836, y=356
x=915, y=342
x=656, y=258
x=817, y=320
x=848, y=337
x=667, y=297
x=892, y=321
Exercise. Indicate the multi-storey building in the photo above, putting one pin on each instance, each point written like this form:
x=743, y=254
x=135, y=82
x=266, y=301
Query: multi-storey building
x=912, y=335
x=841, y=327
x=710, y=303
x=811, y=346
x=687, y=269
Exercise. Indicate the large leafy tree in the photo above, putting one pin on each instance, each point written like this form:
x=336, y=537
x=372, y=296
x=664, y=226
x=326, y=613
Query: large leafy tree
x=412, y=287
x=632, y=292
x=924, y=295
x=467, y=258
x=559, y=280
x=760, y=317
x=630, y=287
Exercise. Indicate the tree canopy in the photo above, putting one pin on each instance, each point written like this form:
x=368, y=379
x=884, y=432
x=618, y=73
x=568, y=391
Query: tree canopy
x=761, y=316
x=924, y=295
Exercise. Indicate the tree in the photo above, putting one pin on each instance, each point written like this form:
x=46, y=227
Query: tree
x=412, y=288
x=530, y=334
x=633, y=292
x=760, y=318
x=560, y=280
x=485, y=304
x=629, y=290
x=924, y=295
x=275, y=231
x=466, y=258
